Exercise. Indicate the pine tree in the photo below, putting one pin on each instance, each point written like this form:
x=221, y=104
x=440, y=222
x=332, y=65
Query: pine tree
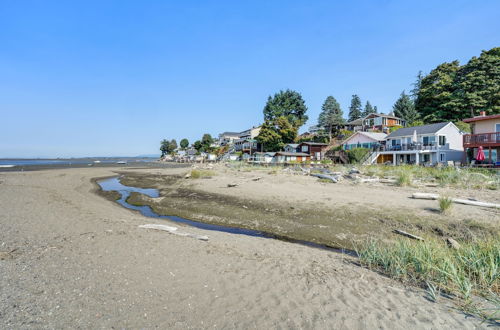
x=405, y=108
x=330, y=115
x=287, y=104
x=368, y=109
x=355, y=108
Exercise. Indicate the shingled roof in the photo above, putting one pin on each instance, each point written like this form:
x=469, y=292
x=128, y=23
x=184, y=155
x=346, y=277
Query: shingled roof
x=424, y=129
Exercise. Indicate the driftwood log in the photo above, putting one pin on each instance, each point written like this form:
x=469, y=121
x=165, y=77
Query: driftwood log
x=231, y=185
x=456, y=200
x=173, y=230
x=326, y=177
x=400, y=232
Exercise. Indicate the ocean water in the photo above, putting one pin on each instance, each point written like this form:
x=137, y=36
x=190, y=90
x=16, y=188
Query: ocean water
x=72, y=161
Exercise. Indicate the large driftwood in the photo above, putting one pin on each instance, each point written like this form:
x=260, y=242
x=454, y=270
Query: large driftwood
x=456, y=200
x=400, y=232
x=326, y=177
x=173, y=230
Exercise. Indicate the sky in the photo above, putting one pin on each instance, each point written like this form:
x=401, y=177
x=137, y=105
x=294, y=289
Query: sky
x=113, y=78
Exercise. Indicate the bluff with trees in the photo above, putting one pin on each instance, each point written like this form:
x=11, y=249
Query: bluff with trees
x=451, y=92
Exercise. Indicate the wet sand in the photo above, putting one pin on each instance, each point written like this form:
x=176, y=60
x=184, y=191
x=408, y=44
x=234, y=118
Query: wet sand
x=73, y=259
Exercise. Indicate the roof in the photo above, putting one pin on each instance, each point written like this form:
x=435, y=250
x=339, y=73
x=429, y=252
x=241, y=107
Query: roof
x=373, y=135
x=479, y=118
x=358, y=121
x=230, y=133
x=382, y=115
x=300, y=154
x=293, y=145
x=315, y=143
x=424, y=129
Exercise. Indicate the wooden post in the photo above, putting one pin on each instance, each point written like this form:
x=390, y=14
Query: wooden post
x=489, y=156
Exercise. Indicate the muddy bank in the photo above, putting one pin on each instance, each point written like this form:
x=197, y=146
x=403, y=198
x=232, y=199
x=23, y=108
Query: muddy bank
x=342, y=226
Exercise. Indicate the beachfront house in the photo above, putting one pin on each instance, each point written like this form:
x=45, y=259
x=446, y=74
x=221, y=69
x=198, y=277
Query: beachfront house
x=281, y=157
x=427, y=144
x=315, y=150
x=263, y=157
x=246, y=142
x=291, y=147
x=228, y=138
x=369, y=140
x=485, y=134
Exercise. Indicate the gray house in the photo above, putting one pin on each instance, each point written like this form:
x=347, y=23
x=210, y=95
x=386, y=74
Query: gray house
x=429, y=144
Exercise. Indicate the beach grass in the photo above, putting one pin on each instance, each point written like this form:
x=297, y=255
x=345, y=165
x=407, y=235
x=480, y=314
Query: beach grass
x=473, y=269
x=445, y=204
x=198, y=174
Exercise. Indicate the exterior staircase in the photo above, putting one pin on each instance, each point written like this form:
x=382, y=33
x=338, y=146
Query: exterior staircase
x=370, y=158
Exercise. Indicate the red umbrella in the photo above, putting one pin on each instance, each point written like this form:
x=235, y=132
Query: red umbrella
x=480, y=154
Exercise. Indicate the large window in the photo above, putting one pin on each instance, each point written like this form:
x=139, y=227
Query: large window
x=429, y=140
x=442, y=140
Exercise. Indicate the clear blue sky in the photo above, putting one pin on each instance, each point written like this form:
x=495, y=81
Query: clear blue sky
x=92, y=78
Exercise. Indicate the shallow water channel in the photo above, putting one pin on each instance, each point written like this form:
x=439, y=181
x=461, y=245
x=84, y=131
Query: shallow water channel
x=114, y=184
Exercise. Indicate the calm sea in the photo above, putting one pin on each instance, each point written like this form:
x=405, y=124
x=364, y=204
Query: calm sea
x=73, y=161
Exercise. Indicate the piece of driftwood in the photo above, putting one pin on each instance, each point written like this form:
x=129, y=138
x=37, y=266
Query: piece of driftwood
x=256, y=179
x=173, y=230
x=231, y=185
x=456, y=200
x=424, y=196
x=366, y=180
x=476, y=203
x=400, y=232
x=326, y=177
x=387, y=181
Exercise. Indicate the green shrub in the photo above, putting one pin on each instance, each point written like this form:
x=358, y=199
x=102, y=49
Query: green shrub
x=404, y=178
x=357, y=155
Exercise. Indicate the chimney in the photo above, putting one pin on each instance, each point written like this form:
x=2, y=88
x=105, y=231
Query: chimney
x=482, y=114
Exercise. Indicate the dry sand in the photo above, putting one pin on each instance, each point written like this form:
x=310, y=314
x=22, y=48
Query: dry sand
x=77, y=260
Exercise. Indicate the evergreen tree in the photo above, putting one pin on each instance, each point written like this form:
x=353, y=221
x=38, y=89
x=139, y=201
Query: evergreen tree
x=375, y=110
x=287, y=104
x=172, y=145
x=197, y=145
x=164, y=147
x=368, y=109
x=405, y=108
x=184, y=143
x=330, y=115
x=274, y=134
x=355, y=108
x=435, y=101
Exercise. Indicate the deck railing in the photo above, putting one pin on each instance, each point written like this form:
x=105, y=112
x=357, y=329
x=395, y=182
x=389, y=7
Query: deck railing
x=485, y=139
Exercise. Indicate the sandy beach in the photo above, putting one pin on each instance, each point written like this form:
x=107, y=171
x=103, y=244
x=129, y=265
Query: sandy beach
x=70, y=258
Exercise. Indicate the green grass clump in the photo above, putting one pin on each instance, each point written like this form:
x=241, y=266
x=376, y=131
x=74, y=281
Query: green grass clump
x=198, y=174
x=445, y=204
x=404, y=178
x=473, y=269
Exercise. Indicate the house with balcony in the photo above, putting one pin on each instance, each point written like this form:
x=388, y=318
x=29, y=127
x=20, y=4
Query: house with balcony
x=375, y=122
x=382, y=122
x=485, y=133
x=228, y=138
x=246, y=142
x=426, y=144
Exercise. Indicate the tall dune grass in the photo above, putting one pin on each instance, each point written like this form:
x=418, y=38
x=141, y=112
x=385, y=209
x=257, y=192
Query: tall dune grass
x=473, y=269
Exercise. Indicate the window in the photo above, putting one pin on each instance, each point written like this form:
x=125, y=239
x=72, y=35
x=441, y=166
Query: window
x=305, y=149
x=442, y=157
x=442, y=140
x=497, y=127
x=429, y=140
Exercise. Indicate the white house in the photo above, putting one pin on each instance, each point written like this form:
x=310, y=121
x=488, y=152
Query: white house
x=369, y=140
x=430, y=144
